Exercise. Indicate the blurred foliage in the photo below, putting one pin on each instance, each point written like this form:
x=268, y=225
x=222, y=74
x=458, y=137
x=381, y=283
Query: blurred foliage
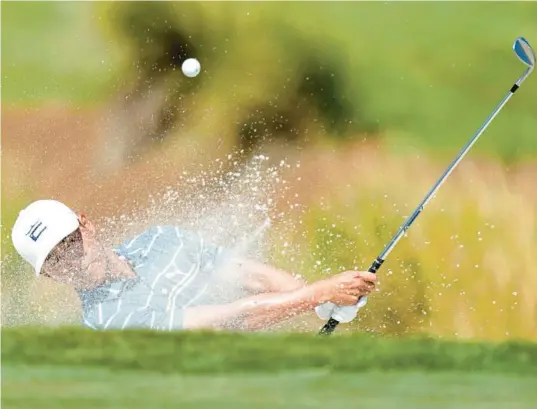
x=275, y=73
x=266, y=103
x=52, y=52
x=360, y=69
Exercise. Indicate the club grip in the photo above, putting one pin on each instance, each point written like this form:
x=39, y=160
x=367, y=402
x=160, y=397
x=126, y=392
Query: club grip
x=375, y=265
x=332, y=323
x=329, y=327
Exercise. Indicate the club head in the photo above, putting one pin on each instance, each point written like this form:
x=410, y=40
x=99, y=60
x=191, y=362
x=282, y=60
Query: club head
x=524, y=52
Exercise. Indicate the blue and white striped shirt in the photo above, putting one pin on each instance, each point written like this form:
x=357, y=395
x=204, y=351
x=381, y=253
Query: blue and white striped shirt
x=173, y=269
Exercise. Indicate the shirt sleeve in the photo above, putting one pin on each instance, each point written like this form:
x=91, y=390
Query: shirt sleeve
x=213, y=256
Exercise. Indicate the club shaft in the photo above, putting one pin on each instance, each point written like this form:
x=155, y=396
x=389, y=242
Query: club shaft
x=332, y=323
x=391, y=245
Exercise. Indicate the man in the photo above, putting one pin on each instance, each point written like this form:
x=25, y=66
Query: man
x=168, y=279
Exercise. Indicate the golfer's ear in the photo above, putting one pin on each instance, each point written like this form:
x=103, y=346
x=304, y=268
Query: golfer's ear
x=85, y=223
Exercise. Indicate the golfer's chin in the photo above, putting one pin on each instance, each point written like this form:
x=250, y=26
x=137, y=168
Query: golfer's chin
x=66, y=278
x=79, y=279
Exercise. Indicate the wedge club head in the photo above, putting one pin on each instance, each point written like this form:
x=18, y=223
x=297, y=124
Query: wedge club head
x=524, y=52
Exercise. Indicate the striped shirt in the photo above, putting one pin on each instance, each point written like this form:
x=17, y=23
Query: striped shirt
x=173, y=271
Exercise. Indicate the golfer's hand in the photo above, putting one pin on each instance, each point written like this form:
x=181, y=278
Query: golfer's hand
x=342, y=314
x=347, y=287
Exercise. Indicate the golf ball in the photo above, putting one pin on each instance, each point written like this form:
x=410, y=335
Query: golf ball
x=191, y=67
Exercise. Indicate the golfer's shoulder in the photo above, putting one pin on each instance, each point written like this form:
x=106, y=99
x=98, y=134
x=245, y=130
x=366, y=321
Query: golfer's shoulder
x=160, y=238
x=172, y=234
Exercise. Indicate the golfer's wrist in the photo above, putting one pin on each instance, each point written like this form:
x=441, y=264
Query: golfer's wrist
x=318, y=293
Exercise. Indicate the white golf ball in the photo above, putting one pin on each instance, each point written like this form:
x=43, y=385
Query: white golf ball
x=191, y=67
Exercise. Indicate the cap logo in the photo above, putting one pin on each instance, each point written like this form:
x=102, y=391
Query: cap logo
x=36, y=230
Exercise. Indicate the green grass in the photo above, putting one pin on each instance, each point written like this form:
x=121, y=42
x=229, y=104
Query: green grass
x=84, y=388
x=209, y=353
x=54, y=368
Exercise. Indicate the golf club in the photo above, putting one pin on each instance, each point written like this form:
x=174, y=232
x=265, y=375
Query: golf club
x=525, y=53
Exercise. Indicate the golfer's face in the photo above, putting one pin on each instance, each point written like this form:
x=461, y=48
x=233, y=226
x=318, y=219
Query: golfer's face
x=66, y=260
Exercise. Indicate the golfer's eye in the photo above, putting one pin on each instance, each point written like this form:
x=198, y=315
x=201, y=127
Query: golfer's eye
x=52, y=260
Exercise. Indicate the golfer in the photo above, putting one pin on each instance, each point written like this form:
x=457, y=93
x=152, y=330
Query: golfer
x=167, y=278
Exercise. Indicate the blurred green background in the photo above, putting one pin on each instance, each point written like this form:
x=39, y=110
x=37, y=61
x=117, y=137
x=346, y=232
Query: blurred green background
x=373, y=99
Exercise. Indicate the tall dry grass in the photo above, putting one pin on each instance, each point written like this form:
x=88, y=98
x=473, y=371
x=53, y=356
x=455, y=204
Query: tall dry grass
x=466, y=268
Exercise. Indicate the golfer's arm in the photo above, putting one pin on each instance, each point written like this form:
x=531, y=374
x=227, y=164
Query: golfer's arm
x=253, y=313
x=258, y=277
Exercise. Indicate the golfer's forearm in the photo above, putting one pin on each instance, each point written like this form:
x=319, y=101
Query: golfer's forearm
x=262, y=278
x=253, y=313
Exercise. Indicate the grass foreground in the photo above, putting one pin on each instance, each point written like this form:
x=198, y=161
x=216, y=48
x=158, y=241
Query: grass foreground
x=209, y=353
x=72, y=367
x=53, y=387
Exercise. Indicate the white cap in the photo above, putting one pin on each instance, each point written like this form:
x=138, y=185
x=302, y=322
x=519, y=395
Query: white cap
x=39, y=228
